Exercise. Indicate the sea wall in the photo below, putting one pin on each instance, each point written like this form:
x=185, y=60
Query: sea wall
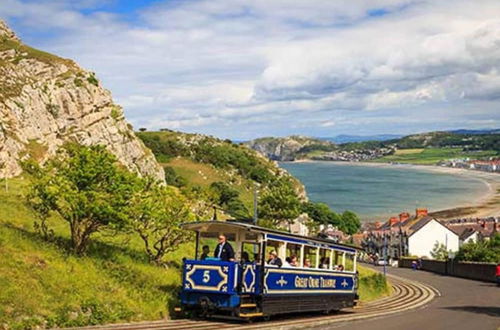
x=481, y=271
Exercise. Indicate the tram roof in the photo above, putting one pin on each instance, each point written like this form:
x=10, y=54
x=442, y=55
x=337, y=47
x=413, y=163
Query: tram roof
x=203, y=226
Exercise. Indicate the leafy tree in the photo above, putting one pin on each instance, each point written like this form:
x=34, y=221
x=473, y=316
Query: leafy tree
x=439, y=251
x=279, y=203
x=227, y=198
x=482, y=251
x=321, y=213
x=350, y=222
x=87, y=188
x=155, y=213
x=172, y=178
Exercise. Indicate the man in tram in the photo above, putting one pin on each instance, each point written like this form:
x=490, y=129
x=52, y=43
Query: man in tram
x=274, y=260
x=224, y=251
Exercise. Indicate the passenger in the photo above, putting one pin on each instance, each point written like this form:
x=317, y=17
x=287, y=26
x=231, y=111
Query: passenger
x=293, y=261
x=206, y=251
x=307, y=263
x=256, y=259
x=224, y=251
x=325, y=263
x=287, y=262
x=244, y=257
x=340, y=268
x=274, y=260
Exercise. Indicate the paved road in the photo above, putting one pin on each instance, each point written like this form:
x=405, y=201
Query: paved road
x=464, y=304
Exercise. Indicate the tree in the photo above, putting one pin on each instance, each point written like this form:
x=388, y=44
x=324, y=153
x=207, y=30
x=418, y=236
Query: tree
x=350, y=222
x=439, y=251
x=321, y=213
x=279, y=203
x=482, y=251
x=155, y=213
x=172, y=178
x=227, y=198
x=87, y=188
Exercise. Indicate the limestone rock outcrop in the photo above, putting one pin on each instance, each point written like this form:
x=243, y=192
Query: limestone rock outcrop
x=285, y=148
x=46, y=101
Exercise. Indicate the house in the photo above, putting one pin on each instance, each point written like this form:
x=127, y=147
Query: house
x=426, y=232
x=469, y=235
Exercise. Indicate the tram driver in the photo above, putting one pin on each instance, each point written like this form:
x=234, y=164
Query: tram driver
x=224, y=251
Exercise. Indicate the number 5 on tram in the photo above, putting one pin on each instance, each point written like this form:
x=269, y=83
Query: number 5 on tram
x=272, y=272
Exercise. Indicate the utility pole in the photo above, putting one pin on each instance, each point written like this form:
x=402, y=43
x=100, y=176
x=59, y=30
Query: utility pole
x=385, y=254
x=255, y=203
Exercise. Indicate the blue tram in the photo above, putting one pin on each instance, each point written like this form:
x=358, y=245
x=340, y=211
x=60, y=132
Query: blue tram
x=315, y=274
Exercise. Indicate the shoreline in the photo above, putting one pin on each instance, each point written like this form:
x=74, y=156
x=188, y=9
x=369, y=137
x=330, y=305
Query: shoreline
x=486, y=205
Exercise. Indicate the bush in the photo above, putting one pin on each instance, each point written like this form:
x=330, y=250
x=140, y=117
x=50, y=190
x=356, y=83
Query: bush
x=482, y=251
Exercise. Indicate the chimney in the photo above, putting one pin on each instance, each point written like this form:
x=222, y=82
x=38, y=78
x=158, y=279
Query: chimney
x=404, y=216
x=421, y=213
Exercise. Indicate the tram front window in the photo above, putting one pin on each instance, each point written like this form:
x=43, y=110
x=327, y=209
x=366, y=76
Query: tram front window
x=208, y=243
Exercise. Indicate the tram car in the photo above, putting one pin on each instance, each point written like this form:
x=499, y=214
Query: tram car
x=315, y=274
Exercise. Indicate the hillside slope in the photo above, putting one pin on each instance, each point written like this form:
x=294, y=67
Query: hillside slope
x=202, y=161
x=46, y=101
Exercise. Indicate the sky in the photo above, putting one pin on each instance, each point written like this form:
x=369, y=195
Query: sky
x=243, y=69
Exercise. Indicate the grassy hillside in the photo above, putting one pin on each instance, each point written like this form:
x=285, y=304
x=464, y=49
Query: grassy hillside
x=201, y=161
x=430, y=156
x=44, y=285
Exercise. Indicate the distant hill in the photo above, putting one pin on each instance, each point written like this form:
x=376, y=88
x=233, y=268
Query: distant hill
x=476, y=131
x=289, y=148
x=343, y=138
x=422, y=148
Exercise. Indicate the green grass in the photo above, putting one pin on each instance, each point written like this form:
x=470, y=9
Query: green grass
x=205, y=174
x=42, y=284
x=431, y=156
x=372, y=285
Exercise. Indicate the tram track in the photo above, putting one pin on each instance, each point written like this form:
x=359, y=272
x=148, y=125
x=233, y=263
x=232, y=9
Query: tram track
x=406, y=295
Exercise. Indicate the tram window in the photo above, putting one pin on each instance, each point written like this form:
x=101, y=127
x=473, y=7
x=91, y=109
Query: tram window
x=273, y=246
x=251, y=250
x=292, y=255
x=310, y=257
x=324, y=259
x=349, y=262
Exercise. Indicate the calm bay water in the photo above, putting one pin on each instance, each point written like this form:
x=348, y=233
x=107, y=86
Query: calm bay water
x=375, y=193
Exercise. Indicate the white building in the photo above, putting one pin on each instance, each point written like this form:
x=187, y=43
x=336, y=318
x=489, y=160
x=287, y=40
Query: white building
x=424, y=235
x=469, y=235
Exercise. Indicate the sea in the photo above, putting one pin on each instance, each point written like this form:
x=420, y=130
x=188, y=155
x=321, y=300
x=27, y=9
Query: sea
x=378, y=192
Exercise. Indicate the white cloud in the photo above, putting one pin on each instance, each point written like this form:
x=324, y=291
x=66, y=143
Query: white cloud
x=240, y=69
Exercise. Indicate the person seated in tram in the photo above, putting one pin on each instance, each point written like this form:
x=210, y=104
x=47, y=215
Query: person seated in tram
x=244, y=257
x=340, y=268
x=287, y=262
x=294, y=261
x=205, y=252
x=274, y=260
x=324, y=263
x=307, y=263
x=224, y=251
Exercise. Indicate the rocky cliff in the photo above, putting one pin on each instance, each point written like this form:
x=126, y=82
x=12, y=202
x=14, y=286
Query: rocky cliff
x=46, y=101
x=288, y=148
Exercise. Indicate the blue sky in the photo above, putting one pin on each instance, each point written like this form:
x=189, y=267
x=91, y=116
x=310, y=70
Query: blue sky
x=242, y=69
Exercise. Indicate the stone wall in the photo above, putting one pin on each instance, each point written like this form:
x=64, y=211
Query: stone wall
x=481, y=271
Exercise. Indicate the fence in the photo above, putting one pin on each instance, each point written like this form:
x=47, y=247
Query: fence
x=472, y=270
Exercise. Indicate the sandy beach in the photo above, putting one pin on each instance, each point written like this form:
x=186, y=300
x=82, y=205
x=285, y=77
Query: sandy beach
x=486, y=205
